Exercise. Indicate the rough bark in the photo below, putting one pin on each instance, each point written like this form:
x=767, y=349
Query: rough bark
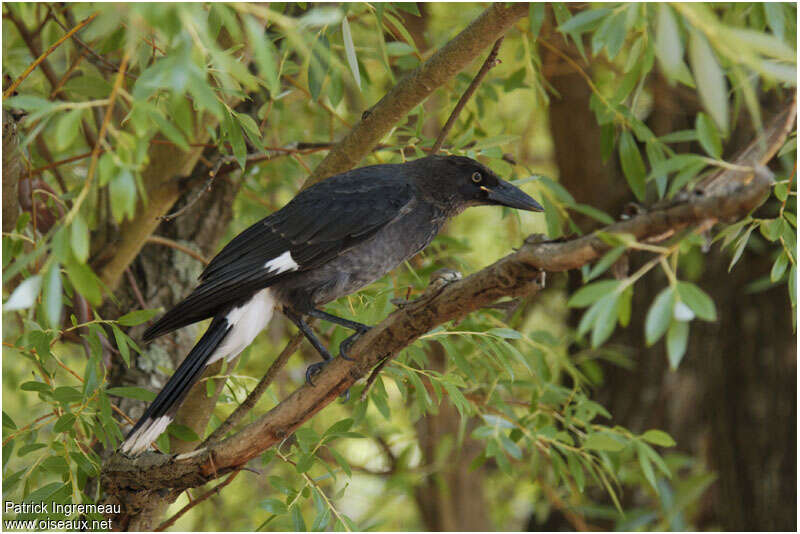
x=451, y=498
x=13, y=168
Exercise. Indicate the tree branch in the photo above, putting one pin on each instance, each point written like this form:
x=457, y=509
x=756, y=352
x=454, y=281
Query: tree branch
x=451, y=120
x=417, y=86
x=735, y=194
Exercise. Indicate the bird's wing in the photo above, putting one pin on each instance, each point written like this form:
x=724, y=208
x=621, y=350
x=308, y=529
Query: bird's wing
x=316, y=226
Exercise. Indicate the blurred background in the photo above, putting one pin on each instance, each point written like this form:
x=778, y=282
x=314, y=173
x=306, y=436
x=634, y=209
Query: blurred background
x=481, y=425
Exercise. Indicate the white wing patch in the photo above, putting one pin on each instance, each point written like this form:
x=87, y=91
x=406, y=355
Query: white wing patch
x=282, y=263
x=246, y=322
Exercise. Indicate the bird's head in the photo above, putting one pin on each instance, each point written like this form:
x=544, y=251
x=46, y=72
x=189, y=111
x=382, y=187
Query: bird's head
x=459, y=182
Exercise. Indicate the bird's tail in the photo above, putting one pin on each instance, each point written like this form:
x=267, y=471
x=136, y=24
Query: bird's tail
x=162, y=410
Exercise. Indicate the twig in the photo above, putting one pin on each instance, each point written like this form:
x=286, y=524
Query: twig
x=205, y=189
x=373, y=376
x=135, y=288
x=65, y=77
x=491, y=61
x=59, y=163
x=259, y=390
x=49, y=51
x=106, y=63
x=192, y=503
x=30, y=41
x=158, y=240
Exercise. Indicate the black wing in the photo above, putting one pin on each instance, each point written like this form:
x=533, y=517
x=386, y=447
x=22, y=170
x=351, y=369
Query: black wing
x=316, y=226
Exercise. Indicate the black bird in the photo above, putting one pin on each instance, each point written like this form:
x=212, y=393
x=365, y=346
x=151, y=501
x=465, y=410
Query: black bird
x=331, y=240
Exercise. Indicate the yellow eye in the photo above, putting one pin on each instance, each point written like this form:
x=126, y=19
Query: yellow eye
x=476, y=177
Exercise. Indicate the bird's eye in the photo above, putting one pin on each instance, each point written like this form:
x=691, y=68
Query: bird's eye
x=476, y=177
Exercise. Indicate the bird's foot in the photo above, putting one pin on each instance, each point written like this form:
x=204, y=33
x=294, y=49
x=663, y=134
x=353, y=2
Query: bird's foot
x=344, y=346
x=314, y=369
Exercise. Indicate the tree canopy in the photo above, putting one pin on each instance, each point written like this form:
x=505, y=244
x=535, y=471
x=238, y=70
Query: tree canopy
x=660, y=138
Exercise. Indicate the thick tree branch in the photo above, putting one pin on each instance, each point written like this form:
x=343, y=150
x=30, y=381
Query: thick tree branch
x=735, y=194
x=417, y=86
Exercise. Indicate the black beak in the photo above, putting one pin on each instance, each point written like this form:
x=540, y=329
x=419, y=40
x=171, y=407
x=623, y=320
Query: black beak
x=506, y=194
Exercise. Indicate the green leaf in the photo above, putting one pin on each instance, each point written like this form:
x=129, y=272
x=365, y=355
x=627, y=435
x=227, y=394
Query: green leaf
x=592, y=293
x=669, y=48
x=24, y=296
x=318, y=66
x=708, y=136
x=122, y=345
x=297, y=519
x=8, y=422
x=536, y=18
x=658, y=437
x=632, y=164
x=131, y=392
x=510, y=447
x=599, y=441
x=350, y=51
x=576, y=470
x=67, y=394
x=772, y=228
x=273, y=506
x=711, y=84
x=338, y=427
x=64, y=423
x=793, y=285
x=68, y=128
x=122, y=191
x=779, y=267
x=265, y=55
x=170, y=131
x=505, y=333
x=659, y=316
x=698, y=300
x=137, y=317
x=647, y=467
x=341, y=461
x=740, y=247
x=233, y=132
x=182, y=432
x=606, y=261
x=79, y=237
x=677, y=339
x=52, y=296
x=775, y=18
x=606, y=319
x=584, y=21
x=85, y=282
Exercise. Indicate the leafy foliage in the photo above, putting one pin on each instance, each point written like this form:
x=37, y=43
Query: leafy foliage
x=249, y=82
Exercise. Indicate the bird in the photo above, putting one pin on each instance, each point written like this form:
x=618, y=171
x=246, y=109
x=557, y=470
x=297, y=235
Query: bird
x=330, y=240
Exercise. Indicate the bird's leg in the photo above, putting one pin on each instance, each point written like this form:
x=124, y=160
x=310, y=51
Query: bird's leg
x=344, y=346
x=314, y=368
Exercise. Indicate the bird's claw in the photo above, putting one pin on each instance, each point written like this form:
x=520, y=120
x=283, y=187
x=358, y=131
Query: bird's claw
x=344, y=346
x=314, y=369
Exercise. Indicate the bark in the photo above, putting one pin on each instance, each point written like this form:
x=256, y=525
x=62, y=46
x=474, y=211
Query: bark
x=451, y=498
x=13, y=167
x=732, y=401
x=130, y=481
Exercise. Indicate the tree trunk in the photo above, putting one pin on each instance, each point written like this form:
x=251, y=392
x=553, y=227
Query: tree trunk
x=451, y=498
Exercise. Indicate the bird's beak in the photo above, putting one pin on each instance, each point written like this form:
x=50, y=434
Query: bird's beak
x=506, y=194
